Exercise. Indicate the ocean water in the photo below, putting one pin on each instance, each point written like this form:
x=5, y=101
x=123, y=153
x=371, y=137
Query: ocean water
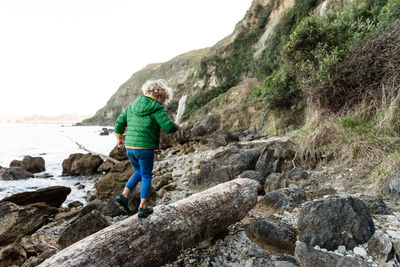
x=53, y=143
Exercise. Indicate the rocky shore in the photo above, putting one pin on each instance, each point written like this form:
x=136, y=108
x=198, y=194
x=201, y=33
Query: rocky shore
x=302, y=217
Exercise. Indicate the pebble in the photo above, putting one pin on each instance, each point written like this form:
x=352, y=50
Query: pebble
x=341, y=249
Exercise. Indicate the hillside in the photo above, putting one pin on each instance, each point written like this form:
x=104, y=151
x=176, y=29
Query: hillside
x=326, y=69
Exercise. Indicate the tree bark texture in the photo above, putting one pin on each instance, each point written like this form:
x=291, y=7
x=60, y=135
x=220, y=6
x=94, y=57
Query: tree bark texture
x=158, y=239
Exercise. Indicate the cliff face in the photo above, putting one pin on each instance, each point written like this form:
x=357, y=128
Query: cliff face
x=211, y=75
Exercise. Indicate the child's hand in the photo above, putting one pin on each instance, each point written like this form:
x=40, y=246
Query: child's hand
x=121, y=143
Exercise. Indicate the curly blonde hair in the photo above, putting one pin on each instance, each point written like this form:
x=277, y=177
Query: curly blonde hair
x=158, y=89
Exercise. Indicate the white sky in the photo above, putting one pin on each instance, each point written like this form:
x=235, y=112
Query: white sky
x=70, y=56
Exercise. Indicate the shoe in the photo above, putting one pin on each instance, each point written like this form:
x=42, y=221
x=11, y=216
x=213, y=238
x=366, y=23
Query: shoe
x=144, y=212
x=123, y=203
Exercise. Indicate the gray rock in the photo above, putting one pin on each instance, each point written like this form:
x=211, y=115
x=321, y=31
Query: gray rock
x=380, y=246
x=284, y=198
x=206, y=126
x=17, y=221
x=273, y=236
x=15, y=163
x=393, y=186
x=307, y=256
x=238, y=160
x=396, y=247
x=210, y=174
x=254, y=175
x=297, y=174
x=15, y=173
x=265, y=163
x=335, y=221
x=83, y=227
x=33, y=164
x=341, y=249
x=273, y=182
x=375, y=205
x=221, y=138
x=12, y=255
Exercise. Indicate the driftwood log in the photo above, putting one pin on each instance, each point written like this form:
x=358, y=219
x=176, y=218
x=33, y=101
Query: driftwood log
x=160, y=238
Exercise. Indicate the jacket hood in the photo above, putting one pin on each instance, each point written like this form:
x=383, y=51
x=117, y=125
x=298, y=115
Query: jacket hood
x=144, y=106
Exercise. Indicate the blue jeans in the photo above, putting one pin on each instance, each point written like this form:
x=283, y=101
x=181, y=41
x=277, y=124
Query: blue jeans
x=142, y=161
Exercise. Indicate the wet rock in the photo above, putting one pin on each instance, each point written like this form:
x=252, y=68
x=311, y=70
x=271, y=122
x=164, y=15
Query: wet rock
x=375, y=205
x=33, y=164
x=75, y=204
x=335, y=221
x=17, y=221
x=104, y=131
x=12, y=255
x=380, y=246
x=44, y=175
x=81, y=164
x=274, y=182
x=85, y=226
x=122, y=167
x=309, y=257
x=106, y=166
x=118, y=154
x=53, y=196
x=393, y=186
x=96, y=204
x=273, y=236
x=14, y=173
x=284, y=198
x=80, y=187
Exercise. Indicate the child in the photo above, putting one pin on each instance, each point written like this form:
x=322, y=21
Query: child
x=142, y=121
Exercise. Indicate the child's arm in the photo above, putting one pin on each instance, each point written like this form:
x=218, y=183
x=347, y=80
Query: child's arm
x=166, y=124
x=120, y=126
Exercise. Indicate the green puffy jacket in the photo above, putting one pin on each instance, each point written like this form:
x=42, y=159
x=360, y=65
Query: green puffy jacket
x=143, y=120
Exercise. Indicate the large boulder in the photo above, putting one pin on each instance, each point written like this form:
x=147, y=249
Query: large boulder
x=206, y=126
x=335, y=221
x=306, y=256
x=33, y=164
x=53, y=196
x=14, y=173
x=81, y=164
x=83, y=227
x=273, y=236
x=17, y=221
x=210, y=174
x=118, y=154
x=12, y=255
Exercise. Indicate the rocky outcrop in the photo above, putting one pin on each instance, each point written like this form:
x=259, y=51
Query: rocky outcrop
x=83, y=227
x=33, y=164
x=81, y=164
x=17, y=221
x=375, y=205
x=14, y=173
x=53, y=196
x=335, y=221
